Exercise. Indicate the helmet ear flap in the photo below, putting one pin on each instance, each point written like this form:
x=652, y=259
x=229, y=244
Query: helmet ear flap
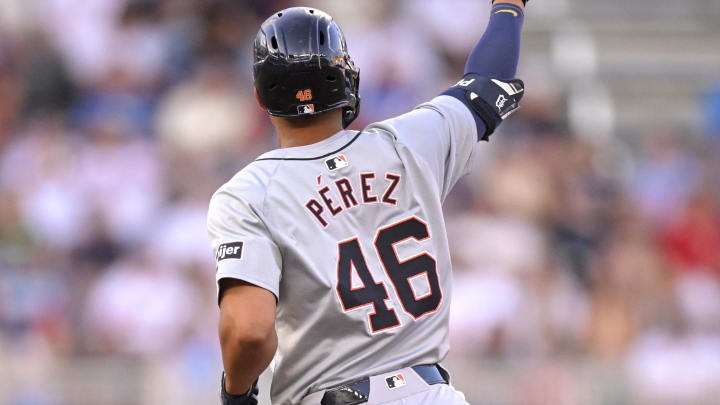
x=350, y=113
x=353, y=109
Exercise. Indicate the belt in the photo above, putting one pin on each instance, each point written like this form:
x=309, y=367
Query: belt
x=358, y=392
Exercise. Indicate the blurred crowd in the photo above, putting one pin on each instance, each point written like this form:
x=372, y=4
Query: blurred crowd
x=119, y=118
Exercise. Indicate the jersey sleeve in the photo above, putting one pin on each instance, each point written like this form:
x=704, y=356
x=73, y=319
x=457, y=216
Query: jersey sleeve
x=443, y=133
x=242, y=244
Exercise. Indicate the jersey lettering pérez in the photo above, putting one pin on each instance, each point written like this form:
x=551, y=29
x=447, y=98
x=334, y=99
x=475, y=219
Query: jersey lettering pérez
x=344, y=190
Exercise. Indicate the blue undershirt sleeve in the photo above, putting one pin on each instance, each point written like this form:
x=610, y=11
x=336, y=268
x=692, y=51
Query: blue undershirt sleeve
x=496, y=54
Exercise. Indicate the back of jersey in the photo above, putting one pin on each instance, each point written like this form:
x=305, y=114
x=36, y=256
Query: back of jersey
x=348, y=233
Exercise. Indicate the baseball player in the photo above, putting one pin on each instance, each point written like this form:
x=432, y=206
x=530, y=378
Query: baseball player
x=332, y=250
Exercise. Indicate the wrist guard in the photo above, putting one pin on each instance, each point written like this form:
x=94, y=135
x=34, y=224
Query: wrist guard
x=248, y=398
x=493, y=100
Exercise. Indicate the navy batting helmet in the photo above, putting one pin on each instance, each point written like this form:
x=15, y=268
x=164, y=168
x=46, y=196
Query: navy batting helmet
x=302, y=66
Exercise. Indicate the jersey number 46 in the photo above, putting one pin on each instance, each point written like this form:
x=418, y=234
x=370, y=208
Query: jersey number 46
x=400, y=273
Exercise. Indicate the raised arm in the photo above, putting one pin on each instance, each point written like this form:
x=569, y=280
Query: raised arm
x=489, y=86
x=498, y=51
x=444, y=132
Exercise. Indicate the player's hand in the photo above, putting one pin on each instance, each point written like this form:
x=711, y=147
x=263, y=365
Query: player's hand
x=524, y=2
x=248, y=398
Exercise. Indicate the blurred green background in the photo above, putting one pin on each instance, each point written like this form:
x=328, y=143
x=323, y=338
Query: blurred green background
x=586, y=242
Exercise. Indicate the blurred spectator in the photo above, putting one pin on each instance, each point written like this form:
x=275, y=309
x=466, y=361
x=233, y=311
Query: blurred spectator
x=47, y=86
x=206, y=115
x=712, y=111
x=665, y=177
x=692, y=239
x=675, y=365
x=137, y=307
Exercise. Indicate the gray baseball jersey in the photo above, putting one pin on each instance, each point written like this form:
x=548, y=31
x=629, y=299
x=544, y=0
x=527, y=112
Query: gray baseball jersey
x=348, y=233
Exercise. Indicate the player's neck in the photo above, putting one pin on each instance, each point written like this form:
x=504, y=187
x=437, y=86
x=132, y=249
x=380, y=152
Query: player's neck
x=305, y=131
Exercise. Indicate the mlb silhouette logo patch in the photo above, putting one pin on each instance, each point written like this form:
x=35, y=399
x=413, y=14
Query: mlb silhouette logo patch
x=306, y=109
x=337, y=162
x=395, y=381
